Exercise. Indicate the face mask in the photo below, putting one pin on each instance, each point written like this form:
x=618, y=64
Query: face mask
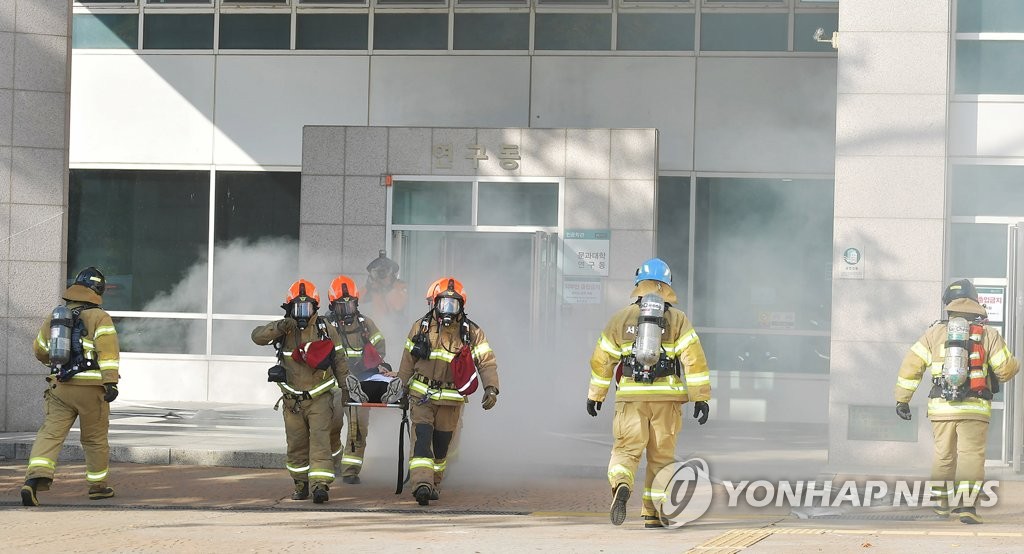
x=302, y=312
x=345, y=309
x=447, y=309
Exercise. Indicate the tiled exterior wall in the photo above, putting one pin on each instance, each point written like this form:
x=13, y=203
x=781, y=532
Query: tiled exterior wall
x=34, y=78
x=891, y=126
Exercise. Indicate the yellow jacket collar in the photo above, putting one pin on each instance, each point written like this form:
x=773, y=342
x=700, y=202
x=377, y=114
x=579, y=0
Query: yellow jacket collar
x=80, y=293
x=657, y=287
x=966, y=306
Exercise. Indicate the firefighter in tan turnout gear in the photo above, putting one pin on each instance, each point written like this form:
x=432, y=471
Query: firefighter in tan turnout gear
x=965, y=361
x=79, y=343
x=446, y=358
x=308, y=372
x=652, y=351
x=370, y=378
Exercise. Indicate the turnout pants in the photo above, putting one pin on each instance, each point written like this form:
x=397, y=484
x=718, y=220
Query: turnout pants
x=350, y=457
x=639, y=426
x=348, y=451
x=63, y=404
x=959, y=459
x=433, y=426
x=307, y=428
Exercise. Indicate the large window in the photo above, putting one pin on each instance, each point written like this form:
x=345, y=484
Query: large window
x=149, y=232
x=762, y=280
x=256, y=240
x=545, y=26
x=144, y=230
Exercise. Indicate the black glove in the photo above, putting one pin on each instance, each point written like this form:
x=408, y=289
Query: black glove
x=111, y=393
x=490, y=397
x=701, y=411
x=287, y=325
x=593, y=406
x=903, y=410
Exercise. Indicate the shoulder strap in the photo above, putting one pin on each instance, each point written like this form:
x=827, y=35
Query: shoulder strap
x=364, y=333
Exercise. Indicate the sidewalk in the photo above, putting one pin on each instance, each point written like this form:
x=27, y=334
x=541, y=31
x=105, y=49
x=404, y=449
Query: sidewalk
x=221, y=466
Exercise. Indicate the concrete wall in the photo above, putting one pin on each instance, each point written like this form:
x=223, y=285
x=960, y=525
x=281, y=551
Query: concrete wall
x=714, y=114
x=34, y=93
x=890, y=203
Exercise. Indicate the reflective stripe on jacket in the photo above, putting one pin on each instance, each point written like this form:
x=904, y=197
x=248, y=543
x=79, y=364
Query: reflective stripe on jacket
x=679, y=340
x=299, y=377
x=924, y=362
x=98, y=343
x=445, y=343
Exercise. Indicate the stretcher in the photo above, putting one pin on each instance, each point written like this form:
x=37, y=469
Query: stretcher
x=403, y=430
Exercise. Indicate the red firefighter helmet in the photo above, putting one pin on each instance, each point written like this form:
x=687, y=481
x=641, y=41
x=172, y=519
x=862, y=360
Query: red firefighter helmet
x=342, y=286
x=446, y=287
x=302, y=288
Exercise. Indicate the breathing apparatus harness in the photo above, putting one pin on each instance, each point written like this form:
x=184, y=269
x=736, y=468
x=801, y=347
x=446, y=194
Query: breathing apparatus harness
x=963, y=368
x=421, y=349
x=278, y=373
x=67, y=351
x=648, y=360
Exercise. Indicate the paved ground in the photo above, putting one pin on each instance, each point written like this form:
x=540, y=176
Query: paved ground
x=547, y=494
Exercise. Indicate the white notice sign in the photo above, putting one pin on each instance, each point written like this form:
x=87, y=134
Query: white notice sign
x=581, y=291
x=585, y=253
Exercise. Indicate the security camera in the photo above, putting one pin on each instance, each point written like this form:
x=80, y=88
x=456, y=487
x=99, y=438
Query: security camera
x=819, y=33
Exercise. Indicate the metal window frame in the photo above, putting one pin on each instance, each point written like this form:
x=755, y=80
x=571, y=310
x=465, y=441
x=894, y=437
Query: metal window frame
x=209, y=315
x=190, y=5
x=746, y=4
x=475, y=180
x=92, y=5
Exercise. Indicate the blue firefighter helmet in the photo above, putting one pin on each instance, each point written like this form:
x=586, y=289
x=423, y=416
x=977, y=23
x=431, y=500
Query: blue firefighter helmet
x=654, y=269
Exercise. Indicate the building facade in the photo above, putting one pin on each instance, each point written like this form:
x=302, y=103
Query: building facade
x=218, y=150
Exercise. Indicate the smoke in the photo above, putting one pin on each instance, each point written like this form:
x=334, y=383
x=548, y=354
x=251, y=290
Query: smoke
x=249, y=277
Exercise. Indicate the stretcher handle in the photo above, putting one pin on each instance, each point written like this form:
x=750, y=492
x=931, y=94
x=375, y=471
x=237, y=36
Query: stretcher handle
x=372, y=405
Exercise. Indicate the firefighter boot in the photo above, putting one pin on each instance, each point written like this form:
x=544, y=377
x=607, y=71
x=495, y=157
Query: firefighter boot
x=31, y=486
x=422, y=495
x=942, y=510
x=350, y=479
x=301, y=490
x=618, y=509
x=968, y=515
x=99, y=492
x=320, y=493
x=653, y=522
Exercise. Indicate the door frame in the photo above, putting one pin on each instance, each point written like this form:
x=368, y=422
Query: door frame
x=539, y=280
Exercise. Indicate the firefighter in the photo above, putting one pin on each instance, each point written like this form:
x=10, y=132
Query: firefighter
x=385, y=297
x=309, y=371
x=370, y=379
x=446, y=357
x=385, y=294
x=651, y=387
x=82, y=387
x=964, y=371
